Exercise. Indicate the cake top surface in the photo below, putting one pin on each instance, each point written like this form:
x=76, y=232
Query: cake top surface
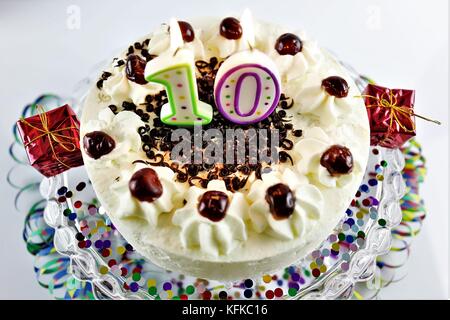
x=232, y=218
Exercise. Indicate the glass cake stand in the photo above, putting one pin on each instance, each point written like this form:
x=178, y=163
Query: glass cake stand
x=99, y=254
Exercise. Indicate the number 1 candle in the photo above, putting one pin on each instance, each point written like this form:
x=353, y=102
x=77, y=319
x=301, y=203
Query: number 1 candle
x=247, y=87
x=176, y=72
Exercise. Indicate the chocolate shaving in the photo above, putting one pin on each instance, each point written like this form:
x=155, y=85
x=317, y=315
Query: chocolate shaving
x=130, y=50
x=287, y=144
x=113, y=108
x=284, y=156
x=99, y=84
x=105, y=75
x=120, y=63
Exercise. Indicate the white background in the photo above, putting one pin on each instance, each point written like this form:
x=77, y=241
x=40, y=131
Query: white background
x=402, y=44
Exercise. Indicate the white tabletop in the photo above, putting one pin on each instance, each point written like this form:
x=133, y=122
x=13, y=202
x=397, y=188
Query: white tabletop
x=49, y=45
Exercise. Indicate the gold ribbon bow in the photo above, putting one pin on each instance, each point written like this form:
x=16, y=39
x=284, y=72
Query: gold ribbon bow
x=391, y=103
x=53, y=135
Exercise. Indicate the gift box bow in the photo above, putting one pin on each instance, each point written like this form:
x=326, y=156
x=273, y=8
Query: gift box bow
x=397, y=105
x=391, y=111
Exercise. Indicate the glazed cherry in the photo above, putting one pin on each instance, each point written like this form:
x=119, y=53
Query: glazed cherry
x=97, y=144
x=135, y=68
x=281, y=201
x=213, y=205
x=337, y=160
x=231, y=28
x=335, y=86
x=186, y=31
x=288, y=43
x=145, y=185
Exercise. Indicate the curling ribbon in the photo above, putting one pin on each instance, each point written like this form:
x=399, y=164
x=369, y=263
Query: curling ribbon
x=52, y=269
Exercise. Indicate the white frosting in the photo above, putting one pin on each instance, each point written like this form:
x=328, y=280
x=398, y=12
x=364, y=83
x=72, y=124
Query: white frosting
x=122, y=89
x=211, y=237
x=310, y=148
x=223, y=47
x=160, y=43
x=296, y=66
x=246, y=242
x=308, y=206
x=128, y=206
x=123, y=129
x=226, y=47
x=313, y=100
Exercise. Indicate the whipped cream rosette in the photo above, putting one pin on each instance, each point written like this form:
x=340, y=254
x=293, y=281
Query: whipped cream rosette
x=284, y=207
x=213, y=219
x=160, y=42
x=308, y=57
x=231, y=35
x=325, y=96
x=122, y=89
x=116, y=139
x=312, y=148
x=166, y=194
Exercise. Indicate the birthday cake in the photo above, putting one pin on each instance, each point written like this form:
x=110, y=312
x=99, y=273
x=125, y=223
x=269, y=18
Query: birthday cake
x=225, y=148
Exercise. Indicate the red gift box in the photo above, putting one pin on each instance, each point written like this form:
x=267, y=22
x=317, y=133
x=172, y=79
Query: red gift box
x=52, y=140
x=391, y=115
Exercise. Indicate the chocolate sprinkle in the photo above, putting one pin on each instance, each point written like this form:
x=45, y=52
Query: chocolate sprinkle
x=130, y=50
x=120, y=63
x=113, y=108
x=99, y=84
x=105, y=75
x=283, y=156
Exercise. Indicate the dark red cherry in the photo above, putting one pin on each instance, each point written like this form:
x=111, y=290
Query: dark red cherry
x=335, y=86
x=135, y=69
x=288, y=43
x=231, y=28
x=97, y=144
x=281, y=201
x=186, y=31
x=213, y=205
x=145, y=185
x=337, y=160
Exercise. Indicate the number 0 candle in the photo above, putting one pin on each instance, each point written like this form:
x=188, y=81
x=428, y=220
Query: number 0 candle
x=247, y=87
x=176, y=72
